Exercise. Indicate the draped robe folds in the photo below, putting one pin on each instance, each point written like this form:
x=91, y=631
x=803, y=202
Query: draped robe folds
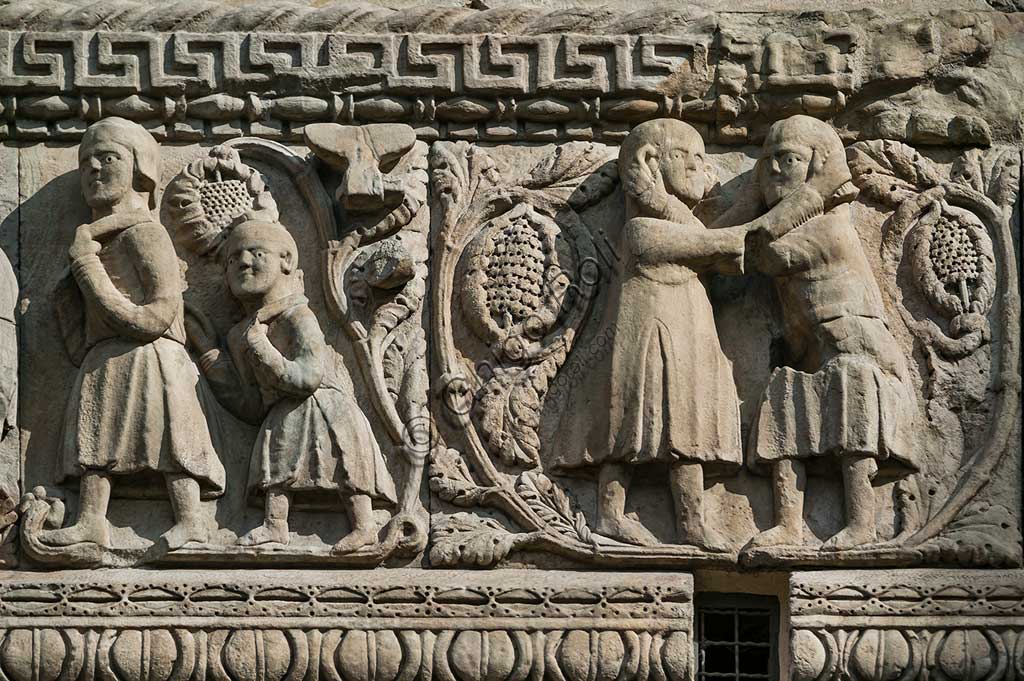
x=313, y=437
x=136, y=404
x=670, y=389
x=846, y=388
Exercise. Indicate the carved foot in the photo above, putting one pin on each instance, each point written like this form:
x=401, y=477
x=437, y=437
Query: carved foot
x=355, y=540
x=627, y=530
x=83, y=532
x=707, y=538
x=780, y=535
x=270, y=532
x=183, y=533
x=848, y=538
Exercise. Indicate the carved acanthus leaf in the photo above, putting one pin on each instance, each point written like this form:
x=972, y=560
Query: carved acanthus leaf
x=552, y=504
x=983, y=535
x=509, y=409
x=451, y=480
x=994, y=172
x=579, y=174
x=890, y=172
x=466, y=539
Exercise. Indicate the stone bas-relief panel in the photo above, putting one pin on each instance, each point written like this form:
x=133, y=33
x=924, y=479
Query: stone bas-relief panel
x=655, y=355
x=244, y=352
x=648, y=354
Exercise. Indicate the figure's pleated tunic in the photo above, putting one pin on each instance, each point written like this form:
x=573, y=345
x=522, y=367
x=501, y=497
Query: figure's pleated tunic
x=669, y=386
x=135, y=405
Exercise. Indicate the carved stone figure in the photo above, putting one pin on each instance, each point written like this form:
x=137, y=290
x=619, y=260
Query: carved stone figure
x=671, y=392
x=313, y=436
x=134, y=409
x=843, y=393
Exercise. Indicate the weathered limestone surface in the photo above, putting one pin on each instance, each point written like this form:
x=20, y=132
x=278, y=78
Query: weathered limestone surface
x=387, y=341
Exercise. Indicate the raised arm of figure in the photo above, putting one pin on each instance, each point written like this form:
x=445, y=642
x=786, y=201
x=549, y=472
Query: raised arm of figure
x=655, y=241
x=302, y=374
x=152, y=254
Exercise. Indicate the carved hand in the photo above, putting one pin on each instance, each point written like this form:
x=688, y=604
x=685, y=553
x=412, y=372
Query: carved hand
x=200, y=335
x=647, y=185
x=84, y=244
x=256, y=334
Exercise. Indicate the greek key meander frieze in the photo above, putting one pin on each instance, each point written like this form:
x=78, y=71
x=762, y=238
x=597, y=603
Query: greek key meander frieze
x=496, y=84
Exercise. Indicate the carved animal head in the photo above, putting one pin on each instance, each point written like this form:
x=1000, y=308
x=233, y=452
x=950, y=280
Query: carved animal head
x=363, y=154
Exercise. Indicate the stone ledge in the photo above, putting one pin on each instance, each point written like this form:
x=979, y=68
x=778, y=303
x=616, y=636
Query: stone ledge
x=907, y=624
x=297, y=624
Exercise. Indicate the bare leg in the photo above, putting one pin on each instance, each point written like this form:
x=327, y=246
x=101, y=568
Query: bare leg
x=275, y=523
x=686, y=482
x=858, y=472
x=612, y=486
x=364, y=529
x=790, y=482
x=92, y=526
x=189, y=525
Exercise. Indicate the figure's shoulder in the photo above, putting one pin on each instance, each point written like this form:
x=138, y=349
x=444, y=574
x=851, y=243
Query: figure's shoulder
x=149, y=236
x=301, y=318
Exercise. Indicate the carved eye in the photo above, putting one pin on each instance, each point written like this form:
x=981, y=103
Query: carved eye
x=108, y=159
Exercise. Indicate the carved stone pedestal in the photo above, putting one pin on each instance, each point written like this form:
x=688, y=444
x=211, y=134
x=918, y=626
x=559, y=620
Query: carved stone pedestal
x=502, y=625
x=907, y=624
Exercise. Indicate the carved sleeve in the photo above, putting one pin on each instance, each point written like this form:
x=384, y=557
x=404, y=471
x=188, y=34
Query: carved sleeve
x=240, y=397
x=801, y=249
x=302, y=374
x=655, y=241
x=153, y=256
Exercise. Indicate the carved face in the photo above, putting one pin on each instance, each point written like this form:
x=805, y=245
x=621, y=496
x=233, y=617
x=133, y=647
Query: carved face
x=784, y=167
x=682, y=169
x=107, y=174
x=253, y=266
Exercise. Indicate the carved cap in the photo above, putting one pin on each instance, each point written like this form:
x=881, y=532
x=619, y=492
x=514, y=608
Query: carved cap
x=132, y=136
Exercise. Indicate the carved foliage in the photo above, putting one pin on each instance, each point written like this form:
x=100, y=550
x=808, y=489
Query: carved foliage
x=953, y=236
x=211, y=193
x=519, y=278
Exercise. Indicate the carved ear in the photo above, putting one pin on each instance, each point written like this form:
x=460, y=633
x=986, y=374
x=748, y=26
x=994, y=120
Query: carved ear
x=288, y=261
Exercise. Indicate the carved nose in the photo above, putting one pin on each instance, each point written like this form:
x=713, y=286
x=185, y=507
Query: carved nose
x=362, y=188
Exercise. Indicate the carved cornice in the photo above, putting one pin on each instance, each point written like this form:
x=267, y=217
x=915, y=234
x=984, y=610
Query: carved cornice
x=372, y=626
x=191, y=70
x=907, y=624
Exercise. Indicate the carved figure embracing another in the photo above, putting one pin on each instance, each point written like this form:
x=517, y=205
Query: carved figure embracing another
x=313, y=437
x=134, y=409
x=843, y=393
x=671, y=395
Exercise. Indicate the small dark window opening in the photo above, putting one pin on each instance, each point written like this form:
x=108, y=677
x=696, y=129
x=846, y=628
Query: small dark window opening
x=737, y=638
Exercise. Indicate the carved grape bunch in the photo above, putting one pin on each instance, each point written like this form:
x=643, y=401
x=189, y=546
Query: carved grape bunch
x=516, y=282
x=515, y=272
